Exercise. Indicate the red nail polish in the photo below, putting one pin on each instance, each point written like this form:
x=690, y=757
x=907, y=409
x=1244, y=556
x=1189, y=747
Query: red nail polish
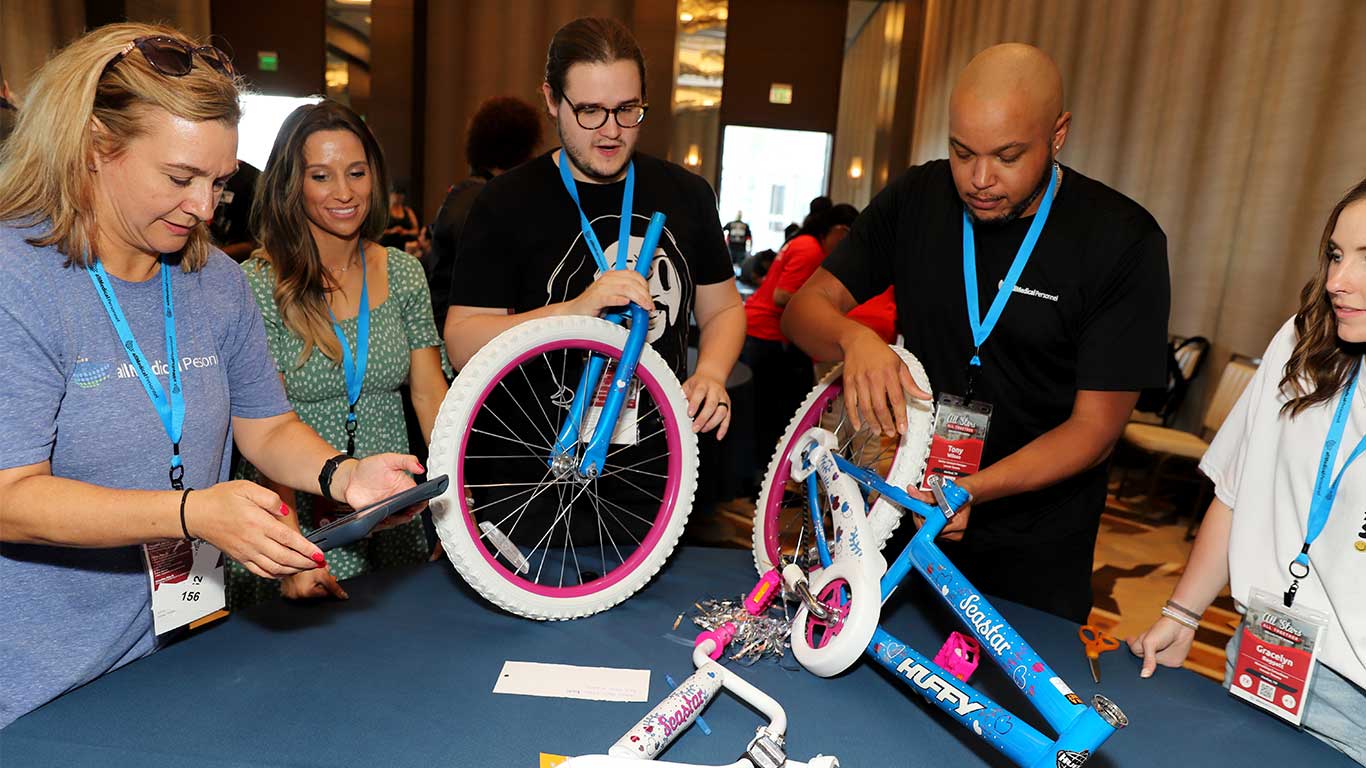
x=284, y=509
x=319, y=559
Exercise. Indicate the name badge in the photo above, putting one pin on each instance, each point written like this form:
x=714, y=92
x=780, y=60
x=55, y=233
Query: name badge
x=1277, y=651
x=187, y=582
x=960, y=434
x=626, y=432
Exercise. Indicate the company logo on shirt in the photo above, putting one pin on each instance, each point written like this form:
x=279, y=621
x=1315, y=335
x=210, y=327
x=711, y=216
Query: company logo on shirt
x=127, y=371
x=1029, y=292
x=88, y=375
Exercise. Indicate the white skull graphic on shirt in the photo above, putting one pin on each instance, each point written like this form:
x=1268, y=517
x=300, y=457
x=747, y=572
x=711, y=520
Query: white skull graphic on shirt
x=667, y=285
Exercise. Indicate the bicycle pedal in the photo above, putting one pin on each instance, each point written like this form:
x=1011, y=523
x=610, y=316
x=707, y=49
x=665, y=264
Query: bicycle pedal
x=765, y=751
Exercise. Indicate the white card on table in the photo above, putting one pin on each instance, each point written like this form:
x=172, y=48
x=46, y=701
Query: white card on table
x=567, y=681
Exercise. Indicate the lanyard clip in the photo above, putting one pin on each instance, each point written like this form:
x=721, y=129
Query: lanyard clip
x=351, y=432
x=177, y=475
x=974, y=366
x=1289, y=598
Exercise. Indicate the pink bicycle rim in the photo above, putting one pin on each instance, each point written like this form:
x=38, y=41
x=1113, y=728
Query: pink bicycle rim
x=675, y=463
x=810, y=419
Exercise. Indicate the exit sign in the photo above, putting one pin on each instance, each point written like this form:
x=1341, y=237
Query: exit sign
x=780, y=93
x=268, y=61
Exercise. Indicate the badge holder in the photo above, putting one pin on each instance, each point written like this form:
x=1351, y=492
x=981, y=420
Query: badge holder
x=960, y=433
x=1277, y=653
x=627, y=431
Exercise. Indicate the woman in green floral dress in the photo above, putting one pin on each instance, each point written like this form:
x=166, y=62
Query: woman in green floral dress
x=320, y=202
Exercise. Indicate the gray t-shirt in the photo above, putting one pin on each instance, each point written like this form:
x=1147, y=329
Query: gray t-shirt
x=69, y=615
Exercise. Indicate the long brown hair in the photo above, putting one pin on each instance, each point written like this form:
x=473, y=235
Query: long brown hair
x=45, y=163
x=1321, y=363
x=280, y=222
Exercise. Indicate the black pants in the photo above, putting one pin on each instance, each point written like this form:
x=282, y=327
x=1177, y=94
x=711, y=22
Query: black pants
x=782, y=377
x=1053, y=576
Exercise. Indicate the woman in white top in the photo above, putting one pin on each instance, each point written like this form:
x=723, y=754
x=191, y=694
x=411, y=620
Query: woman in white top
x=1264, y=464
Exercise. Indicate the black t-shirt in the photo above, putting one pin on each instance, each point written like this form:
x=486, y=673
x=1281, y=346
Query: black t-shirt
x=737, y=234
x=1089, y=312
x=522, y=248
x=446, y=231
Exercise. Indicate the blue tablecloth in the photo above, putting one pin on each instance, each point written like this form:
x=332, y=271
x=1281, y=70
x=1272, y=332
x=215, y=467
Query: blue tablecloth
x=402, y=675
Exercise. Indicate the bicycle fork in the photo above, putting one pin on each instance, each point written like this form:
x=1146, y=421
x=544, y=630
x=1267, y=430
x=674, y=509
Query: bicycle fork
x=564, y=456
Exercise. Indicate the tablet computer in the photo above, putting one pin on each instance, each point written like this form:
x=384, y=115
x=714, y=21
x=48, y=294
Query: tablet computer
x=357, y=525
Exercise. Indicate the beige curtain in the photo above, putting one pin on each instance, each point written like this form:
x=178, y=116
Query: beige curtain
x=1237, y=123
x=869, y=91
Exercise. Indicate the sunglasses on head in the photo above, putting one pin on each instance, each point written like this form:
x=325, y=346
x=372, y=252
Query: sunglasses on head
x=174, y=58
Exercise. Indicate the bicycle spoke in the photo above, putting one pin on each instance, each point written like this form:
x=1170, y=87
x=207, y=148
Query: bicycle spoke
x=517, y=401
x=531, y=389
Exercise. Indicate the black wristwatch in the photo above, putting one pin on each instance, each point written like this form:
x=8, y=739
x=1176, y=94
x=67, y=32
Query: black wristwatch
x=329, y=469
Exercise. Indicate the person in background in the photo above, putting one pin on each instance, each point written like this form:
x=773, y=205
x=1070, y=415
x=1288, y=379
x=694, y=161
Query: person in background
x=231, y=225
x=782, y=372
x=738, y=238
x=107, y=272
x=421, y=248
x=755, y=266
x=1269, y=463
x=348, y=324
x=504, y=133
x=402, y=227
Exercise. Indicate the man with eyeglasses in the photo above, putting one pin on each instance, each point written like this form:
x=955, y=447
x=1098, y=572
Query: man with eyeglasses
x=524, y=255
x=532, y=246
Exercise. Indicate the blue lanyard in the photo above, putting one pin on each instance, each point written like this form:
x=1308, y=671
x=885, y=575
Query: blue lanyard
x=171, y=409
x=1326, y=492
x=623, y=235
x=354, y=370
x=982, y=327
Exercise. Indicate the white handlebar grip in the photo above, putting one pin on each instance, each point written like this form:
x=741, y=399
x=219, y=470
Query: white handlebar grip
x=676, y=712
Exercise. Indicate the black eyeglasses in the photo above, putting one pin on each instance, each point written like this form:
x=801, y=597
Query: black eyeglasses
x=174, y=58
x=592, y=116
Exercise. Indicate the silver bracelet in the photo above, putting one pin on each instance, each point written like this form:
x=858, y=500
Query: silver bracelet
x=1179, y=608
x=1179, y=618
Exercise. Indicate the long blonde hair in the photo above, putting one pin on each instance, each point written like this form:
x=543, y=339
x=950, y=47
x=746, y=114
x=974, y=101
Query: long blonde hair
x=1321, y=364
x=280, y=223
x=45, y=164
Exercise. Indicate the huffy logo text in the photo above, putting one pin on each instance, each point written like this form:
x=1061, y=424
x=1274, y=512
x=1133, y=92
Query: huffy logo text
x=936, y=685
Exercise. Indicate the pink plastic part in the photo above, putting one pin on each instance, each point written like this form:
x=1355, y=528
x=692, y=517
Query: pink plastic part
x=763, y=593
x=959, y=656
x=721, y=635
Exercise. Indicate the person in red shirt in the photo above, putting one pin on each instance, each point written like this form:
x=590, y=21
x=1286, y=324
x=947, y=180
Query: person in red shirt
x=782, y=372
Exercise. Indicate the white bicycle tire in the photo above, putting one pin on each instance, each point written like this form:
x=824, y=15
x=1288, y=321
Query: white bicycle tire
x=447, y=454
x=908, y=466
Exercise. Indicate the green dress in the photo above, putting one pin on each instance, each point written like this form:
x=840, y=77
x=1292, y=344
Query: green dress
x=317, y=390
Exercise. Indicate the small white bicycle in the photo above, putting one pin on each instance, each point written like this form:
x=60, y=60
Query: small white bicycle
x=657, y=730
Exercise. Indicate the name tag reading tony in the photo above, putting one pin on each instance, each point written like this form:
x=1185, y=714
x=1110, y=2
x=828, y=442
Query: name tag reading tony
x=960, y=434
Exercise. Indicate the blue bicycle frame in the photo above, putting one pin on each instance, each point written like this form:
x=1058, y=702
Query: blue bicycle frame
x=566, y=448
x=1081, y=729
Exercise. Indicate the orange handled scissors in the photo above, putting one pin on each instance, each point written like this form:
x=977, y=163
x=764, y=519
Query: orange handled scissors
x=1097, y=641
